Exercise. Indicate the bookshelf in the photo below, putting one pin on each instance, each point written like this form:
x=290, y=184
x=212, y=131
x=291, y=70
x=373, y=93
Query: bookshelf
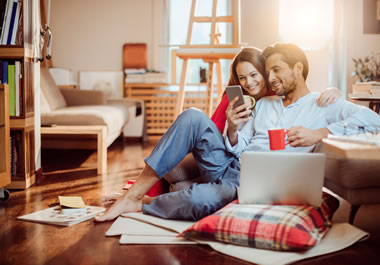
x=21, y=125
x=5, y=177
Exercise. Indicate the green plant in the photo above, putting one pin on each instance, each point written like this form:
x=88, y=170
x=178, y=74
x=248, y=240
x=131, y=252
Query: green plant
x=368, y=68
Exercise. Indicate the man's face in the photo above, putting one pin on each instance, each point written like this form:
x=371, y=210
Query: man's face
x=281, y=77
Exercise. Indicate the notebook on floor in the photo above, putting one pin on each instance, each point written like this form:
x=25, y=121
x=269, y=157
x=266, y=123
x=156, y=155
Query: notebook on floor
x=281, y=177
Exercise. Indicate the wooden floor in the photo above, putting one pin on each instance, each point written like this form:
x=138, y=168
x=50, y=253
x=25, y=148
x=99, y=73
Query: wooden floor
x=85, y=243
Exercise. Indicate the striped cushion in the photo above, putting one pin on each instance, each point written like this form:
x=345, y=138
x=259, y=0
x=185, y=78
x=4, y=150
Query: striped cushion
x=276, y=227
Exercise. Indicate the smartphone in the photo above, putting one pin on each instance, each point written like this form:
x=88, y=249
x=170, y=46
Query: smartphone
x=233, y=92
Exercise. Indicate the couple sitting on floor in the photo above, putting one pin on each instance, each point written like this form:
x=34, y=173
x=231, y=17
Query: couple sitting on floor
x=285, y=68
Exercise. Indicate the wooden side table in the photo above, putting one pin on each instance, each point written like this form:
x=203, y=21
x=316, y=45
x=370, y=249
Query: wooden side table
x=351, y=150
x=78, y=137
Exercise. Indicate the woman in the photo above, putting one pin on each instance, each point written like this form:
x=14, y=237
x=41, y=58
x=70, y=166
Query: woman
x=194, y=133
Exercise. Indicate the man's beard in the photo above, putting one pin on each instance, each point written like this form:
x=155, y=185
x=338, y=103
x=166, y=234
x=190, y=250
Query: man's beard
x=288, y=87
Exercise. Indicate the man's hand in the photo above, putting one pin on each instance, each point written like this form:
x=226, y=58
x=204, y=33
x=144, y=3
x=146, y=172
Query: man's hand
x=300, y=136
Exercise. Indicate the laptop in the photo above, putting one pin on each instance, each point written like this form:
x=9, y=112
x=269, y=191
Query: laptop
x=281, y=177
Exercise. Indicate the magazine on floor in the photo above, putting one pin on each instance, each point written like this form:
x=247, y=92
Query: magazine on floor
x=55, y=216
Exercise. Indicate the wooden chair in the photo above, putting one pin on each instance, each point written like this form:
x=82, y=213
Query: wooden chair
x=134, y=56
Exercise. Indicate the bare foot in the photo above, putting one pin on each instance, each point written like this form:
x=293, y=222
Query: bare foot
x=109, y=199
x=121, y=205
x=147, y=199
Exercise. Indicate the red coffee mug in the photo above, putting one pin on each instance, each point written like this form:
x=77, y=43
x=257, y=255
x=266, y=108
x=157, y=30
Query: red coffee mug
x=277, y=139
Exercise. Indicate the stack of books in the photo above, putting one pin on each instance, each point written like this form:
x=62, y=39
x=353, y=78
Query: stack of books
x=10, y=21
x=366, y=89
x=11, y=74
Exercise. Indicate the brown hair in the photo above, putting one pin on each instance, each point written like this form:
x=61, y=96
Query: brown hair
x=251, y=55
x=291, y=54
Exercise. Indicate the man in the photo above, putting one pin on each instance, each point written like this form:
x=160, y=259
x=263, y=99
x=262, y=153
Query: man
x=218, y=162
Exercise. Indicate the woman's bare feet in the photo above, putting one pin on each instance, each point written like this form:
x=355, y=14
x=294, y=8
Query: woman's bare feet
x=132, y=201
x=109, y=200
x=121, y=205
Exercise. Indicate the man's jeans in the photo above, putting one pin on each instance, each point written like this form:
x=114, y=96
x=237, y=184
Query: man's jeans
x=194, y=132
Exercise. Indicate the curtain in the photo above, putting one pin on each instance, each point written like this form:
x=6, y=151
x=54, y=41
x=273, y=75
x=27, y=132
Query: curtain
x=338, y=49
x=160, y=35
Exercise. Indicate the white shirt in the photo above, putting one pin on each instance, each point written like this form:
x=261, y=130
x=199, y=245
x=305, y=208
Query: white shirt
x=340, y=118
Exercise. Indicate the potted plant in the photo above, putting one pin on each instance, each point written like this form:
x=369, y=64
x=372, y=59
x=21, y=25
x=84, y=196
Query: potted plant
x=367, y=70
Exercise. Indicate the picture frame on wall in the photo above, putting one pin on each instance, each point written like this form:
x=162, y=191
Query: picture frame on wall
x=371, y=16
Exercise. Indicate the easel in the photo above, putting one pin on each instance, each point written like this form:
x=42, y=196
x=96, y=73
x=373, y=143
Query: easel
x=209, y=53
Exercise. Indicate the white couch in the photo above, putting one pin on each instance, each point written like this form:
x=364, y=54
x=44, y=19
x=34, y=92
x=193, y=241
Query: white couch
x=83, y=107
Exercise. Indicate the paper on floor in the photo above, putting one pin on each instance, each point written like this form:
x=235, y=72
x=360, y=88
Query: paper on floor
x=128, y=226
x=127, y=239
x=71, y=201
x=173, y=225
x=137, y=232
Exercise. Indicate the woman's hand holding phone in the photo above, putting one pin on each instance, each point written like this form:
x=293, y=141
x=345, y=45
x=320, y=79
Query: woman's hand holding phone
x=236, y=116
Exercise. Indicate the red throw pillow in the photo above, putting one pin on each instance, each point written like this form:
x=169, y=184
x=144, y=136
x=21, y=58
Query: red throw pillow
x=276, y=227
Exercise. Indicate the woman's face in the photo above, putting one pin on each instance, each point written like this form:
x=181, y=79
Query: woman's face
x=251, y=80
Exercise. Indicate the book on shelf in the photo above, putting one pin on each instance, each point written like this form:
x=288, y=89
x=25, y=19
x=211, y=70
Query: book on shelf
x=16, y=21
x=13, y=153
x=6, y=22
x=54, y=216
x=11, y=74
x=12, y=22
x=17, y=87
x=12, y=94
x=3, y=7
x=5, y=72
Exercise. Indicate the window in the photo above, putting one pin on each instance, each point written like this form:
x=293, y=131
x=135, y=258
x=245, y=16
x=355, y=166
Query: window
x=308, y=23
x=178, y=27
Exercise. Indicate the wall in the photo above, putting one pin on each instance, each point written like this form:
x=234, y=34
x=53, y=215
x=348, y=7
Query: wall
x=89, y=34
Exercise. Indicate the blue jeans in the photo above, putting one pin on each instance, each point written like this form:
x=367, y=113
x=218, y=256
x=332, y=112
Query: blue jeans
x=194, y=132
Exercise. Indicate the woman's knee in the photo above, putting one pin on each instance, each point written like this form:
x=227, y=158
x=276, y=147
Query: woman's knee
x=192, y=115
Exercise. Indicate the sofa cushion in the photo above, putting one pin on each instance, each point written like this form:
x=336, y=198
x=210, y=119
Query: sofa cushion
x=52, y=93
x=353, y=173
x=114, y=117
x=276, y=227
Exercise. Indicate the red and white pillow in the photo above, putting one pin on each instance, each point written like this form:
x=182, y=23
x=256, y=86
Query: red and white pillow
x=275, y=227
